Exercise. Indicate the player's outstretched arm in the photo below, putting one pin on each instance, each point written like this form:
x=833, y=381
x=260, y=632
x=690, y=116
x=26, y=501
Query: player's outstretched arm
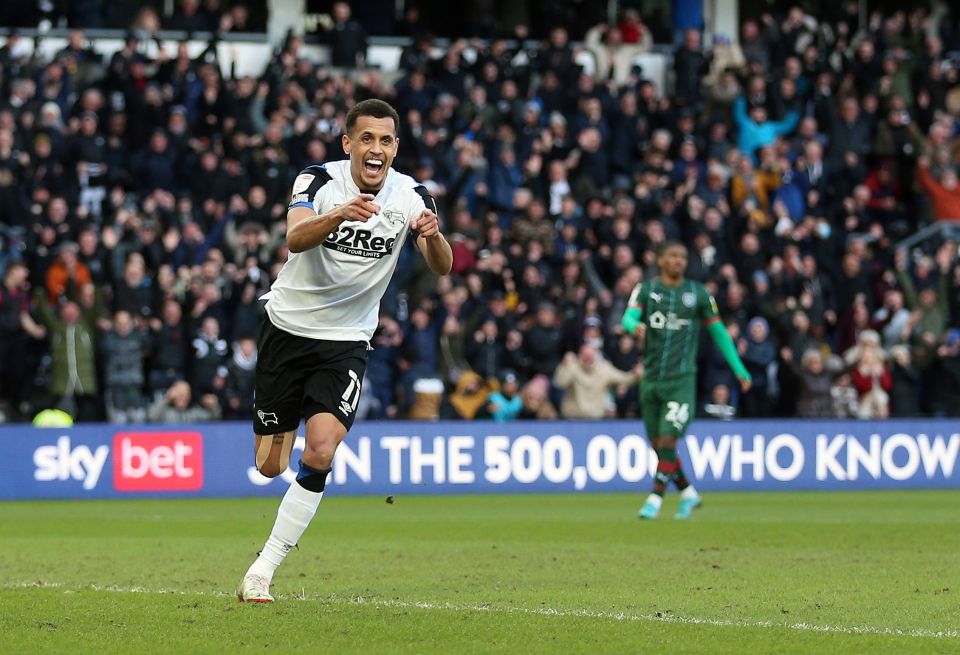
x=631, y=319
x=432, y=243
x=307, y=229
x=633, y=315
x=729, y=351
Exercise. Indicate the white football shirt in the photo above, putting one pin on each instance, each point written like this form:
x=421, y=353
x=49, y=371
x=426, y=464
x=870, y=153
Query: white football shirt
x=333, y=291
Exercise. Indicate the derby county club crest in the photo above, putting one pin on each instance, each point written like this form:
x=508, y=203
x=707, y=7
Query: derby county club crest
x=393, y=217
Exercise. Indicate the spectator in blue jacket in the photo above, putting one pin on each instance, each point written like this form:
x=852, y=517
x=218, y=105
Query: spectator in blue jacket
x=505, y=404
x=755, y=130
x=505, y=179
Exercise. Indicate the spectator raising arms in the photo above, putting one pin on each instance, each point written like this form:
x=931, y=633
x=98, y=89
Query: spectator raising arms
x=815, y=381
x=944, y=193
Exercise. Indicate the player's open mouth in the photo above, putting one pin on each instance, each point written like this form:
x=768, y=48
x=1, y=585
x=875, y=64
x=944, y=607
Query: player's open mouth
x=373, y=166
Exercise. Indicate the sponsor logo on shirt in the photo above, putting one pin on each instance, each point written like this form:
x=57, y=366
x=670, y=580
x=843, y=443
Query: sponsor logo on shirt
x=668, y=321
x=359, y=242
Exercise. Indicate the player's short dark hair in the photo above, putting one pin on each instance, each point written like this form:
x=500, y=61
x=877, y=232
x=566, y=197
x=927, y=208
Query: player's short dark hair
x=376, y=109
x=667, y=245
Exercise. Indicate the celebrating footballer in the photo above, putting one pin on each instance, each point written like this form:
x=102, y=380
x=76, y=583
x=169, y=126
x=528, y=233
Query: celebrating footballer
x=346, y=224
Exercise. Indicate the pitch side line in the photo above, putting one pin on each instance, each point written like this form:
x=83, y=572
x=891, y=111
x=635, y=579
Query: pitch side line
x=545, y=611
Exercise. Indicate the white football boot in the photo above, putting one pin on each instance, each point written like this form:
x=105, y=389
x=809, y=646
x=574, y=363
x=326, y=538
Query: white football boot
x=254, y=589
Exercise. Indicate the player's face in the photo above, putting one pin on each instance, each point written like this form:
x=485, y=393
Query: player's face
x=673, y=262
x=372, y=146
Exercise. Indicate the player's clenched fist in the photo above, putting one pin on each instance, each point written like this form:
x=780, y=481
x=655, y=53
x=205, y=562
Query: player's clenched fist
x=426, y=224
x=361, y=208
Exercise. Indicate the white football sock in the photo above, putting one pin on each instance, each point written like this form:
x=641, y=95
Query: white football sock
x=688, y=493
x=655, y=500
x=296, y=510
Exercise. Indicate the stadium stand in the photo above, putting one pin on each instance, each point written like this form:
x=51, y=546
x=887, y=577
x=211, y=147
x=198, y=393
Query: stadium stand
x=810, y=165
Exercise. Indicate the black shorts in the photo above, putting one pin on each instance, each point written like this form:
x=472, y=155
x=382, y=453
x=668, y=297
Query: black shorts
x=299, y=377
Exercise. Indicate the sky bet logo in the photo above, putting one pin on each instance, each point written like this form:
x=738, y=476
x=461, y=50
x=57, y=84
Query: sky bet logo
x=61, y=462
x=142, y=461
x=157, y=461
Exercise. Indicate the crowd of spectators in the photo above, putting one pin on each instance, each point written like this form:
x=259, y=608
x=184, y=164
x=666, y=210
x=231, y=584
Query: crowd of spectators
x=142, y=206
x=221, y=16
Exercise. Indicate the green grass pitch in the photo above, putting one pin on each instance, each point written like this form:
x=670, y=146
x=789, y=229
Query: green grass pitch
x=865, y=572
